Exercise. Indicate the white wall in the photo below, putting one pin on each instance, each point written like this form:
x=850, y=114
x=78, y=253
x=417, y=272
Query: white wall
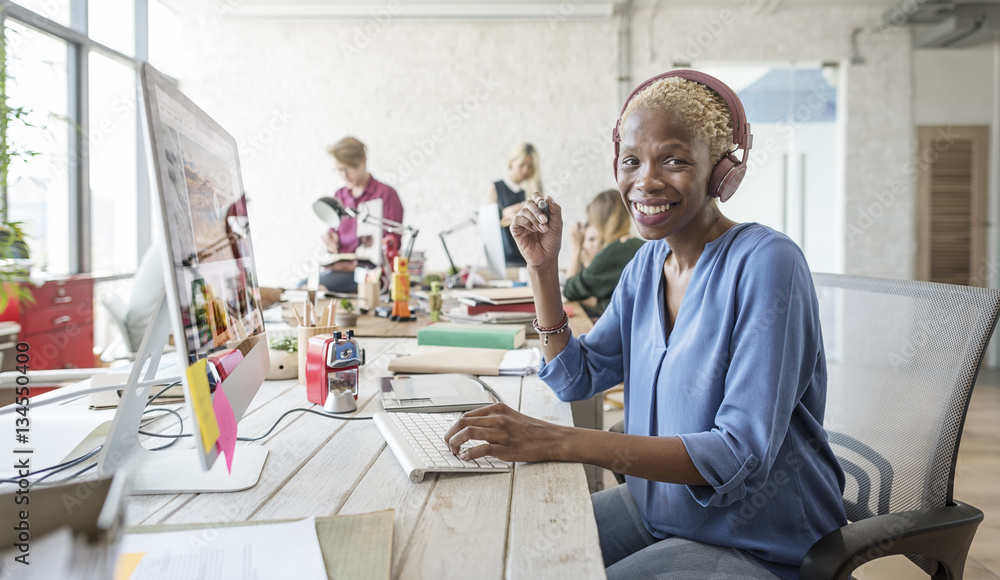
x=292, y=84
x=440, y=106
x=953, y=86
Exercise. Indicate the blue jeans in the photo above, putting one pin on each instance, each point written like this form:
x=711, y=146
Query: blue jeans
x=631, y=552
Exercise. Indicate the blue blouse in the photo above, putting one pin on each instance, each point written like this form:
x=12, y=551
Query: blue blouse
x=741, y=378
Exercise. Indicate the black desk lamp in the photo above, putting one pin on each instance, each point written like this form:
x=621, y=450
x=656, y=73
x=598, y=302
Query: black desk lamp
x=330, y=210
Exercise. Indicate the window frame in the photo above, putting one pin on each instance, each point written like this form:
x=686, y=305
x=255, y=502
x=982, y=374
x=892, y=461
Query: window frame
x=80, y=46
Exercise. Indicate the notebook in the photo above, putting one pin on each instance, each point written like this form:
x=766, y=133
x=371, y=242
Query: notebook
x=464, y=360
x=506, y=336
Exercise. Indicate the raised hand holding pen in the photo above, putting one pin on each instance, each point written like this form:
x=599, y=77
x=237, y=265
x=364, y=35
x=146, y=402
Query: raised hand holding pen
x=538, y=234
x=537, y=231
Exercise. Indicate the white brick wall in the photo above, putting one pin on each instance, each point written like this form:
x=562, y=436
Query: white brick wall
x=293, y=87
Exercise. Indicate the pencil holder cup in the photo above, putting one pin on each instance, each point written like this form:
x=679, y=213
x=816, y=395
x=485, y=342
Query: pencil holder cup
x=305, y=333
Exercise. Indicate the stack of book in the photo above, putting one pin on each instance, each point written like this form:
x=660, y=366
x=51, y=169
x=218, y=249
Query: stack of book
x=495, y=305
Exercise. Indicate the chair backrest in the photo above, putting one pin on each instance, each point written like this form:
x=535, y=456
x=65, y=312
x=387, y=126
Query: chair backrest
x=118, y=310
x=902, y=358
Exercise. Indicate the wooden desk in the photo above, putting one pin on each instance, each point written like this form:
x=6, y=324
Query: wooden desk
x=535, y=522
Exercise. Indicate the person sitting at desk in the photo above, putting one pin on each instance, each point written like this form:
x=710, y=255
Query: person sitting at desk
x=592, y=283
x=360, y=187
x=509, y=194
x=715, y=331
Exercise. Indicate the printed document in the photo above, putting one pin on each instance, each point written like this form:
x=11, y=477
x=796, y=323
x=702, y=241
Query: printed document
x=217, y=553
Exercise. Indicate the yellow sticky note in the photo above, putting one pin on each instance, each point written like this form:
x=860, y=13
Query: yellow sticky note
x=127, y=563
x=201, y=398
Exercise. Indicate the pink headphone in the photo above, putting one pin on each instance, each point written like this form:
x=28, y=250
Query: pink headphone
x=729, y=171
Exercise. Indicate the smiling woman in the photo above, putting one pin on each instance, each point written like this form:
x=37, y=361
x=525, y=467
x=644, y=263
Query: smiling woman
x=714, y=329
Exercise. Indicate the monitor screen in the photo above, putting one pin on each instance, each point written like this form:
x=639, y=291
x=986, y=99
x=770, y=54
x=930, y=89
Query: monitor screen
x=492, y=234
x=212, y=293
x=211, y=254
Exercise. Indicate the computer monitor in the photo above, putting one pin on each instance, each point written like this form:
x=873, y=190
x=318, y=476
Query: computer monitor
x=212, y=298
x=491, y=233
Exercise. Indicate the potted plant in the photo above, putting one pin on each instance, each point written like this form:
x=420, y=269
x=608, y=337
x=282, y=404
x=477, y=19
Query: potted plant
x=346, y=316
x=14, y=257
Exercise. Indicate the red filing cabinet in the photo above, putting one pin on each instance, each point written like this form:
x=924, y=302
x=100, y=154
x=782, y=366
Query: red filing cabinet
x=59, y=325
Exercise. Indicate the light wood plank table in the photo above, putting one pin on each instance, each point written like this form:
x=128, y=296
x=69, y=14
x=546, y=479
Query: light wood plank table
x=535, y=522
x=588, y=413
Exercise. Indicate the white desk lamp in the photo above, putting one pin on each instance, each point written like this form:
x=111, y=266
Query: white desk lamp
x=331, y=211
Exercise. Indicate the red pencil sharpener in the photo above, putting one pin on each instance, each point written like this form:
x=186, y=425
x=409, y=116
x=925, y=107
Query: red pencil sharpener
x=332, y=362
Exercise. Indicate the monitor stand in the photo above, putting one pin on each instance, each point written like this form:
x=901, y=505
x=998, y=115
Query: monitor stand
x=470, y=281
x=168, y=471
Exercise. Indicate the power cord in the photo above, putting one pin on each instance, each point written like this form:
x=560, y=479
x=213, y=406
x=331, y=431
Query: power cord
x=59, y=468
x=269, y=431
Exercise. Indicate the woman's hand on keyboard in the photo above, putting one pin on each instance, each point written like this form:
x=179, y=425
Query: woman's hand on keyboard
x=509, y=435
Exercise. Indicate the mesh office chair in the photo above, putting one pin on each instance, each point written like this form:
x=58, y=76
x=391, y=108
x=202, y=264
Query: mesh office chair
x=902, y=358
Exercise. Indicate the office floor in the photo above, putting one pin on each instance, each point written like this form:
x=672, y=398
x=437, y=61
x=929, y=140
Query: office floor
x=976, y=480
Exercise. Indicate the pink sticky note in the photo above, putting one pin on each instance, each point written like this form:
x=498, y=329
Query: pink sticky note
x=227, y=426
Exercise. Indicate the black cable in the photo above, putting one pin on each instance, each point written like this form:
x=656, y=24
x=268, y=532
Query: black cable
x=163, y=390
x=180, y=420
x=273, y=426
x=301, y=410
x=78, y=460
x=69, y=465
x=57, y=468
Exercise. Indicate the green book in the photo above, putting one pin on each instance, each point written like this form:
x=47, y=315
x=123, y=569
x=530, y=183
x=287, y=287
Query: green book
x=507, y=336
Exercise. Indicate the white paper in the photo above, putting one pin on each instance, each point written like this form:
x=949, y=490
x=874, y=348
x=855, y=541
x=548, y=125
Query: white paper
x=55, y=431
x=253, y=552
x=520, y=362
x=50, y=556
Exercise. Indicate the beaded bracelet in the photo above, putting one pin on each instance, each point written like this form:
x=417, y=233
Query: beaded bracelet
x=546, y=331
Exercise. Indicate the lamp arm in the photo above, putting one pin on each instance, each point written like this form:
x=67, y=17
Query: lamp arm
x=394, y=227
x=456, y=228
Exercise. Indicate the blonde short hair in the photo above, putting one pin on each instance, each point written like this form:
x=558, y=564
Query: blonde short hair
x=534, y=181
x=348, y=151
x=609, y=216
x=701, y=110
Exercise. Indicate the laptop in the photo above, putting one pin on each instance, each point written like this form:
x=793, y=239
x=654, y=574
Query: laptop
x=435, y=393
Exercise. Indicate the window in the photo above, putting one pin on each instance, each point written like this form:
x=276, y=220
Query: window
x=38, y=181
x=113, y=156
x=56, y=11
x=793, y=179
x=82, y=191
x=112, y=23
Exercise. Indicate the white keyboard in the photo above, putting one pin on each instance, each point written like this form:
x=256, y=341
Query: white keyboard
x=417, y=441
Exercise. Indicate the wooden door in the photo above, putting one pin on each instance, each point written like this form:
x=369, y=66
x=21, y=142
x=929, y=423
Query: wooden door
x=951, y=204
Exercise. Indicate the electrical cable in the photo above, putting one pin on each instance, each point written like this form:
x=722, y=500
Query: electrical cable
x=79, y=393
x=73, y=462
x=75, y=475
x=487, y=388
x=273, y=426
x=302, y=410
x=57, y=468
x=53, y=470
x=180, y=420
